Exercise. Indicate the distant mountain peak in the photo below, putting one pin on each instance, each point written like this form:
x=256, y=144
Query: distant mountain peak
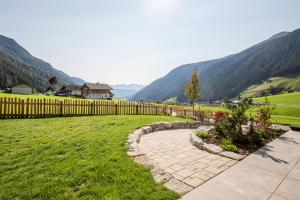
x=279, y=35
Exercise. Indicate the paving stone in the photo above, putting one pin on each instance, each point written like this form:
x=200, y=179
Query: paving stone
x=172, y=151
x=194, y=182
x=178, y=186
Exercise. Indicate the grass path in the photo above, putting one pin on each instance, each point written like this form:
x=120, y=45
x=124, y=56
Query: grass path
x=74, y=158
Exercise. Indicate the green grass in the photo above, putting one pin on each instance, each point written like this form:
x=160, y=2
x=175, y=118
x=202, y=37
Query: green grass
x=291, y=82
x=287, y=109
x=202, y=134
x=74, y=158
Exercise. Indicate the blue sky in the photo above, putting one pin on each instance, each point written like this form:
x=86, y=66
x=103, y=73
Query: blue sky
x=137, y=41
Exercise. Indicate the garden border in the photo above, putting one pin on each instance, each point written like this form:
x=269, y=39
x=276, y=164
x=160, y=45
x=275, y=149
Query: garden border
x=212, y=148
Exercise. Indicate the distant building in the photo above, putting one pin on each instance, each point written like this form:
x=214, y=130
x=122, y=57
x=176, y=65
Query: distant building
x=70, y=90
x=53, y=89
x=21, y=89
x=96, y=91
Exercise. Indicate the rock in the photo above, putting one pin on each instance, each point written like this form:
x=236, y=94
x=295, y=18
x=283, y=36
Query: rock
x=175, y=125
x=209, y=129
x=147, y=129
x=181, y=125
x=196, y=141
x=232, y=155
x=195, y=124
x=212, y=148
x=133, y=147
x=168, y=125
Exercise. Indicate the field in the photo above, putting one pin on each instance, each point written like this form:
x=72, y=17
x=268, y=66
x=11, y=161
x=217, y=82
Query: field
x=291, y=82
x=287, y=109
x=74, y=158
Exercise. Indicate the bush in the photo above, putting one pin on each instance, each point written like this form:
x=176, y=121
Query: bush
x=230, y=126
x=263, y=117
x=226, y=144
x=202, y=134
x=218, y=116
x=256, y=137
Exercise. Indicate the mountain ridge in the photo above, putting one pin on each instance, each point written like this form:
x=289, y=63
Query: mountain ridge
x=9, y=47
x=228, y=76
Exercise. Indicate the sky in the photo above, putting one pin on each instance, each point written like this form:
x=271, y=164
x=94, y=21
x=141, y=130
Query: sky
x=138, y=41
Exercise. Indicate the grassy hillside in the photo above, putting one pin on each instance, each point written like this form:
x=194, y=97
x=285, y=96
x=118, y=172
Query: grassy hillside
x=285, y=83
x=74, y=158
x=287, y=109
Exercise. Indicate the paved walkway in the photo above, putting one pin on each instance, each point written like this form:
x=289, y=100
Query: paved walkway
x=271, y=173
x=188, y=166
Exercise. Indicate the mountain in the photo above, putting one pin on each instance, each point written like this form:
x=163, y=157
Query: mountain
x=126, y=91
x=19, y=66
x=229, y=76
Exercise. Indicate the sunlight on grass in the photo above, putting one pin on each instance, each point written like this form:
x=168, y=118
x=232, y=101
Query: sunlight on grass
x=74, y=158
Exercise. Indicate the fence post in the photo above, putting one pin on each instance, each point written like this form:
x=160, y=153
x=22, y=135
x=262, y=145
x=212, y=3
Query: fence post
x=60, y=108
x=22, y=108
x=184, y=111
x=116, y=109
x=171, y=110
x=137, y=109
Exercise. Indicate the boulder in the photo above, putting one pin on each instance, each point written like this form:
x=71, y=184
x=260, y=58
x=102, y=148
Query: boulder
x=196, y=141
x=209, y=129
x=147, y=129
x=195, y=124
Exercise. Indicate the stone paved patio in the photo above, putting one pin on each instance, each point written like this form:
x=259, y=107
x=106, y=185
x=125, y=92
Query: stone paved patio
x=185, y=165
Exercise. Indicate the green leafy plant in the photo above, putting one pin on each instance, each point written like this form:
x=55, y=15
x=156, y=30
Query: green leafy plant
x=263, y=117
x=227, y=145
x=202, y=134
x=230, y=126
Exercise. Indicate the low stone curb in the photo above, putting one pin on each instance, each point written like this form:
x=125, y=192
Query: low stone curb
x=214, y=149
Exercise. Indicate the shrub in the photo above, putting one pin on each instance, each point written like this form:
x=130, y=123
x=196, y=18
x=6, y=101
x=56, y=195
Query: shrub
x=218, y=116
x=226, y=144
x=230, y=126
x=263, y=117
x=202, y=134
x=256, y=137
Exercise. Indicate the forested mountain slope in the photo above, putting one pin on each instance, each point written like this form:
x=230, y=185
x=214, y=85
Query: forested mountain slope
x=229, y=76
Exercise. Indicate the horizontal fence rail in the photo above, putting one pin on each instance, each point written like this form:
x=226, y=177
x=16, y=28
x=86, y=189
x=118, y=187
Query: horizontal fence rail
x=45, y=108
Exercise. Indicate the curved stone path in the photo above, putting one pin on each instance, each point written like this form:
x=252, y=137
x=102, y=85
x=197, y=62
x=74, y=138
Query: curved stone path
x=185, y=166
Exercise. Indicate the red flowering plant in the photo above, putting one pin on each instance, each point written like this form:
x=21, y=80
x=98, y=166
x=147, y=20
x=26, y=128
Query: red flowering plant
x=219, y=115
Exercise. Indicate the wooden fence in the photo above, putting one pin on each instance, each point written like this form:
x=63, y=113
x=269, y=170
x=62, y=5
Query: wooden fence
x=44, y=108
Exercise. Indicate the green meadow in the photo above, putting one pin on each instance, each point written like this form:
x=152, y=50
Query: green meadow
x=287, y=108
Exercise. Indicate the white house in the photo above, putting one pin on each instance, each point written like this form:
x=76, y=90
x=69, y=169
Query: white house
x=21, y=89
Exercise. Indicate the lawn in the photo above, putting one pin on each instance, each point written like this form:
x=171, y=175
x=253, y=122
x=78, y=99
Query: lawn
x=74, y=158
x=287, y=109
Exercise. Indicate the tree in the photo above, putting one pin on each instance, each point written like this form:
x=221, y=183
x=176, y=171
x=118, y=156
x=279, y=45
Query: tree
x=193, y=88
x=53, y=81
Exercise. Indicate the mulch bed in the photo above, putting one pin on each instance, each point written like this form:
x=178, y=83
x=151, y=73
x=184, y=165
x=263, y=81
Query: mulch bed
x=247, y=148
